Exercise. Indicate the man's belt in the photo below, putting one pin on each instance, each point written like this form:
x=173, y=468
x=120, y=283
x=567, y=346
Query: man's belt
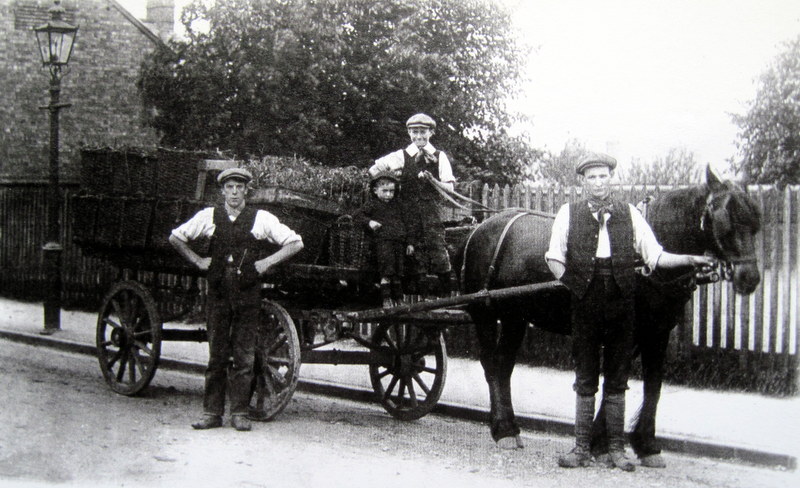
x=602, y=266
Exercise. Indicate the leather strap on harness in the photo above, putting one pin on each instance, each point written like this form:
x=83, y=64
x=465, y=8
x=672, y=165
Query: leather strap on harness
x=492, y=265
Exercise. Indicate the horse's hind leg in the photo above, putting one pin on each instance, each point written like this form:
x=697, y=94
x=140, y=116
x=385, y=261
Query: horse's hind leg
x=499, y=344
x=643, y=438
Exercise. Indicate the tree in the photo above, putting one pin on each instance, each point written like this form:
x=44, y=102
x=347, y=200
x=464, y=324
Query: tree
x=769, y=133
x=678, y=167
x=335, y=80
x=560, y=168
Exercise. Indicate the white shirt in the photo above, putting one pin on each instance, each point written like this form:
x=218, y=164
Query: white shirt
x=266, y=227
x=645, y=242
x=395, y=161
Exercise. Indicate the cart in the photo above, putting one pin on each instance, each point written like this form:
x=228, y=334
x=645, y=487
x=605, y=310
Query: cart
x=322, y=308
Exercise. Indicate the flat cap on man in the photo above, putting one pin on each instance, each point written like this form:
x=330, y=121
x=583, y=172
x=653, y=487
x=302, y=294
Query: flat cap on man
x=595, y=159
x=234, y=174
x=421, y=120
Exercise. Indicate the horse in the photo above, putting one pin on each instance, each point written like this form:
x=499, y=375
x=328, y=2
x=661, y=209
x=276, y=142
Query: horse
x=716, y=218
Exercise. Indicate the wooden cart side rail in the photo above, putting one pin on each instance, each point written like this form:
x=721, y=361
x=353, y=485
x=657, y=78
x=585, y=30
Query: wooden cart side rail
x=510, y=292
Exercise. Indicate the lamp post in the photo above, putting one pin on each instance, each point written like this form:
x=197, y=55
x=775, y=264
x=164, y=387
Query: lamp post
x=55, y=40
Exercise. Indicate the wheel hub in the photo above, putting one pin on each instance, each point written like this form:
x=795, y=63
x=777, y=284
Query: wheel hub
x=119, y=337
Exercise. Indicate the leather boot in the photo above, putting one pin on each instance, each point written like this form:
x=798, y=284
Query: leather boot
x=209, y=421
x=386, y=295
x=615, y=425
x=241, y=423
x=580, y=456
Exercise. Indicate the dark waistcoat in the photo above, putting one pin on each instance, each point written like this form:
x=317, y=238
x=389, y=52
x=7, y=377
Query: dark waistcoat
x=411, y=186
x=236, y=240
x=582, y=246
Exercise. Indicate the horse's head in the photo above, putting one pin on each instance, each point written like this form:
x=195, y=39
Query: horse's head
x=730, y=222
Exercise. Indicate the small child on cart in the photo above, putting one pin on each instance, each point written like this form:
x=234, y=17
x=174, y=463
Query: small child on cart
x=383, y=215
x=420, y=168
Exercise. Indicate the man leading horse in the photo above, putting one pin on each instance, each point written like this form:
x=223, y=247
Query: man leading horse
x=594, y=248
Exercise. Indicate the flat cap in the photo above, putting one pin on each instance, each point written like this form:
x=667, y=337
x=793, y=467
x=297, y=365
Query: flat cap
x=234, y=174
x=596, y=159
x=386, y=174
x=421, y=120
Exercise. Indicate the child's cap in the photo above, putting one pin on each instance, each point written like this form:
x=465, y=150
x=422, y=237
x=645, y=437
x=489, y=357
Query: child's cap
x=383, y=175
x=421, y=120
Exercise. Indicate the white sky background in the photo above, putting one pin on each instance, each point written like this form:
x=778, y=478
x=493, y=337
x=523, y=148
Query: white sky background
x=635, y=78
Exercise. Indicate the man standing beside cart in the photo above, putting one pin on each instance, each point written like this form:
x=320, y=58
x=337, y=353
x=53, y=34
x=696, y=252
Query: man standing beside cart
x=233, y=301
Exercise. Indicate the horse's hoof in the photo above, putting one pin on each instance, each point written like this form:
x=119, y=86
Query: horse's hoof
x=510, y=443
x=653, y=461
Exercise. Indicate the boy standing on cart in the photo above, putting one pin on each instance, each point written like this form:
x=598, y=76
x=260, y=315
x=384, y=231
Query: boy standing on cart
x=233, y=301
x=386, y=218
x=420, y=166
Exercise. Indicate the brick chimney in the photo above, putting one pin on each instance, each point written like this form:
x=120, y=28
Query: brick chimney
x=161, y=14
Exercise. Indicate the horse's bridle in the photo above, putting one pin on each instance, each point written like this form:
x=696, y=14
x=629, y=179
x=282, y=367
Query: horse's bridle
x=727, y=262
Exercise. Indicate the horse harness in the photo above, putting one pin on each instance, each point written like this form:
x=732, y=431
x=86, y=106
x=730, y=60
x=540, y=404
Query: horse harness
x=725, y=265
x=493, y=263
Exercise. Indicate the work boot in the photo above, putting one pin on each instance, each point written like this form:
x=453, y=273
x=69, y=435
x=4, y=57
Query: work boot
x=580, y=456
x=241, y=423
x=386, y=294
x=615, y=426
x=397, y=291
x=208, y=421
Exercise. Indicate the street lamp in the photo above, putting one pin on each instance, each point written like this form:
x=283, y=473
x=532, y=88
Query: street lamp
x=56, y=39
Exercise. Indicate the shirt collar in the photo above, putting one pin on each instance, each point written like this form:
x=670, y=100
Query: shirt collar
x=412, y=149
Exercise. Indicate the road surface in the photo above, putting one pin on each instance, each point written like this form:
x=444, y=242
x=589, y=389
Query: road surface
x=60, y=425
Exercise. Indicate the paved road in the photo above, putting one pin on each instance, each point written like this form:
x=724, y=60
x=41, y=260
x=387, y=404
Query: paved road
x=60, y=425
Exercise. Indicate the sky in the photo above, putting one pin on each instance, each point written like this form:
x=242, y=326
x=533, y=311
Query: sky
x=634, y=78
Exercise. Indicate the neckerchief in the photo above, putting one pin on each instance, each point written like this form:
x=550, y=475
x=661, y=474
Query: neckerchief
x=601, y=206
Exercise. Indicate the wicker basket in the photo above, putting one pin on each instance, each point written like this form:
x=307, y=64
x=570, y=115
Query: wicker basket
x=176, y=173
x=138, y=214
x=108, y=224
x=349, y=245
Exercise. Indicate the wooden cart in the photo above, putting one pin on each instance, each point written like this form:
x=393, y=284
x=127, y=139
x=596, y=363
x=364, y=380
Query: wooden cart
x=321, y=308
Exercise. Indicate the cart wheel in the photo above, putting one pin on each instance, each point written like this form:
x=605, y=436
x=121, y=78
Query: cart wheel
x=277, y=363
x=411, y=384
x=128, y=337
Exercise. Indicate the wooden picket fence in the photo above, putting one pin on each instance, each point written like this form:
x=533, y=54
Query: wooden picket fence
x=756, y=334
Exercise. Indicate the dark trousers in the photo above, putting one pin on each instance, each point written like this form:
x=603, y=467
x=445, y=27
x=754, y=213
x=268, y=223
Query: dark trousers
x=390, y=255
x=233, y=316
x=603, y=320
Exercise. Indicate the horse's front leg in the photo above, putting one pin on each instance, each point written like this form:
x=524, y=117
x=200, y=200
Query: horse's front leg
x=499, y=345
x=653, y=348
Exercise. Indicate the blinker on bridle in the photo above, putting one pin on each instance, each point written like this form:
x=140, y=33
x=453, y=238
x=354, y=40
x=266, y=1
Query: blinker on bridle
x=726, y=263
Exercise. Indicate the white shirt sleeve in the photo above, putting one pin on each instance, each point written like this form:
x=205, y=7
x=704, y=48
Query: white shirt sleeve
x=644, y=240
x=268, y=227
x=393, y=161
x=558, y=236
x=446, y=170
x=200, y=225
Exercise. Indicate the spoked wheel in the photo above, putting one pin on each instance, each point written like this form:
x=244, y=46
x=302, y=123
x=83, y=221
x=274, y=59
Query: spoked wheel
x=410, y=384
x=277, y=364
x=128, y=337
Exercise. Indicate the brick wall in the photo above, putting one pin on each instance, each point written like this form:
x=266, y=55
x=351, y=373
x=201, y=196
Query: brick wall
x=101, y=86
